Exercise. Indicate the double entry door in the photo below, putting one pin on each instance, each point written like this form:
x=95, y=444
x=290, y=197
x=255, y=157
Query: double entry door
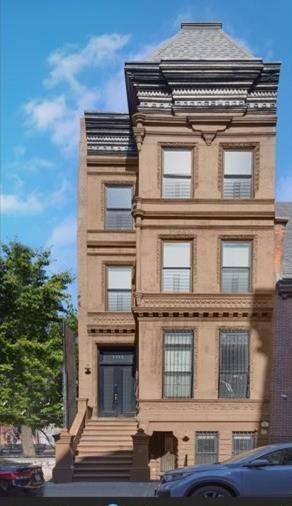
x=117, y=383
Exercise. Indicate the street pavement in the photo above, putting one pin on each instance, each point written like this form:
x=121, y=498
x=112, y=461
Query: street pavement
x=100, y=489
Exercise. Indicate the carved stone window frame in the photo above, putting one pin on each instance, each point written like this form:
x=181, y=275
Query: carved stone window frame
x=194, y=169
x=240, y=146
x=104, y=185
x=176, y=328
x=192, y=239
x=104, y=284
x=251, y=351
x=253, y=266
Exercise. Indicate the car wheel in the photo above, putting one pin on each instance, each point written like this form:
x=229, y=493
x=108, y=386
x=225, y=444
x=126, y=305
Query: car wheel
x=4, y=488
x=211, y=492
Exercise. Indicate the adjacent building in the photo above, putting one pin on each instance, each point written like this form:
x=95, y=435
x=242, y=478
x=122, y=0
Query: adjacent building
x=176, y=259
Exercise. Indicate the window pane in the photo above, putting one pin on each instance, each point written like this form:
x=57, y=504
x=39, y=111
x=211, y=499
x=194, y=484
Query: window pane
x=238, y=162
x=176, y=280
x=119, y=197
x=177, y=161
x=176, y=254
x=242, y=442
x=234, y=364
x=235, y=280
x=119, y=300
x=236, y=254
x=119, y=277
x=237, y=188
x=178, y=364
x=206, y=447
x=121, y=220
x=174, y=188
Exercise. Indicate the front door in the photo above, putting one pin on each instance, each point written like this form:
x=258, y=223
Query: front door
x=117, y=383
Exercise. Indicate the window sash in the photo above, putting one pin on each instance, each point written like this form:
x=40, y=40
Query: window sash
x=235, y=280
x=176, y=280
x=243, y=441
x=237, y=187
x=119, y=213
x=177, y=161
x=178, y=364
x=206, y=447
x=119, y=300
x=176, y=187
x=238, y=162
x=234, y=364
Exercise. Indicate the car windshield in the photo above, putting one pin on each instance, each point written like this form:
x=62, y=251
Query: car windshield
x=241, y=456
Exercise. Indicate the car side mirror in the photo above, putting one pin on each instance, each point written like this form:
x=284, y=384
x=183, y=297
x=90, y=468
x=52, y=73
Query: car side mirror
x=258, y=463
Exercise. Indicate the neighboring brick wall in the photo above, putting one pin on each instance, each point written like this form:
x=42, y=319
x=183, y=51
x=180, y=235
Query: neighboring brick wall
x=281, y=389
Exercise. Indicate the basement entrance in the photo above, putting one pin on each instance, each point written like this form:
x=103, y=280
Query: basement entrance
x=117, y=383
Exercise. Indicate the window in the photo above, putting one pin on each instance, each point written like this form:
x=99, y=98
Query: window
x=119, y=288
x=243, y=441
x=206, y=451
x=176, y=275
x=178, y=364
x=177, y=173
x=237, y=174
x=236, y=261
x=234, y=364
x=118, y=207
x=280, y=457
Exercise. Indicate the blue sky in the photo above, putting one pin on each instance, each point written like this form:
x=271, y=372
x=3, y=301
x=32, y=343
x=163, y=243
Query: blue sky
x=60, y=57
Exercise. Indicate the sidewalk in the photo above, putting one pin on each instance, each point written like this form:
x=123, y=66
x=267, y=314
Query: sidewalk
x=100, y=489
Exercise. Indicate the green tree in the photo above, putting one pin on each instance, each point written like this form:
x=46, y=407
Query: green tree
x=34, y=304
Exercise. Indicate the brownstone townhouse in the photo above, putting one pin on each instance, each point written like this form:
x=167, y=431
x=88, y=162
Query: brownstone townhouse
x=176, y=263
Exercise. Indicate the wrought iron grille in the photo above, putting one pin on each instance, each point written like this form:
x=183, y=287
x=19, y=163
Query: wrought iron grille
x=178, y=364
x=243, y=441
x=237, y=187
x=176, y=187
x=119, y=300
x=206, y=447
x=235, y=279
x=176, y=279
x=234, y=364
x=119, y=219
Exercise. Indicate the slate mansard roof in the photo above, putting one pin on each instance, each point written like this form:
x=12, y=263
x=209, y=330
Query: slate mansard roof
x=284, y=210
x=199, y=70
x=200, y=41
x=109, y=133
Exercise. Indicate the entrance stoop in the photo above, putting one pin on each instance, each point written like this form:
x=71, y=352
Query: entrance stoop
x=105, y=450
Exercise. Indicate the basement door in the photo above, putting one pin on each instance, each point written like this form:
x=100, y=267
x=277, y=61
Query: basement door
x=117, y=383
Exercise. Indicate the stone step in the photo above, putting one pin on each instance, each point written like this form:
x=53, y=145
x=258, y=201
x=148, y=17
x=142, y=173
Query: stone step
x=103, y=461
x=106, y=437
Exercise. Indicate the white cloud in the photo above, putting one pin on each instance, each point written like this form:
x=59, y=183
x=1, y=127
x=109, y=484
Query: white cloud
x=42, y=114
x=62, y=243
x=68, y=62
x=35, y=202
x=64, y=234
x=60, y=114
x=284, y=189
x=15, y=204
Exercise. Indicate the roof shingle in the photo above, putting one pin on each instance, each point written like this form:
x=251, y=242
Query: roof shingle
x=200, y=41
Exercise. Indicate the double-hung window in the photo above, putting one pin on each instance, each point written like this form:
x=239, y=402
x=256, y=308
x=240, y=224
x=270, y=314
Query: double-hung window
x=176, y=271
x=238, y=167
x=234, y=364
x=178, y=364
x=177, y=173
x=119, y=207
x=243, y=441
x=206, y=449
x=236, y=266
x=119, y=288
